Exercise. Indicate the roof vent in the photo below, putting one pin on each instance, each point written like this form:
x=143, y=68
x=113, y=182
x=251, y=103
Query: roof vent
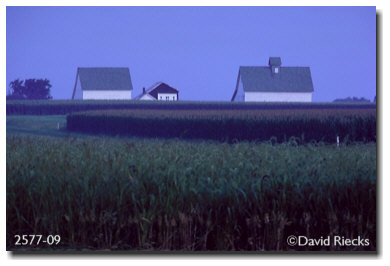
x=275, y=63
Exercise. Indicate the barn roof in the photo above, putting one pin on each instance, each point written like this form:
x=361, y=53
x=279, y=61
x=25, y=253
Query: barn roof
x=105, y=78
x=288, y=79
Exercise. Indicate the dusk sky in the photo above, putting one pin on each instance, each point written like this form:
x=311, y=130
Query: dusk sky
x=197, y=50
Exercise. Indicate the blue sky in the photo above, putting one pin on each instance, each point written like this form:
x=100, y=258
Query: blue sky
x=197, y=50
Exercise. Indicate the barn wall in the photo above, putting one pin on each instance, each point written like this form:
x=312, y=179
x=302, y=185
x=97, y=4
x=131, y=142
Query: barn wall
x=79, y=93
x=106, y=95
x=171, y=96
x=240, y=96
x=278, y=96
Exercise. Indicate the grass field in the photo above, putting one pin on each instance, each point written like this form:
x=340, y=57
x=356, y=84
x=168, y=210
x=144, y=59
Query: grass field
x=155, y=194
x=36, y=125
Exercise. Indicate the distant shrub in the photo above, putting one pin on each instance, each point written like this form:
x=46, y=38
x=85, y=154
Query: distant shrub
x=353, y=99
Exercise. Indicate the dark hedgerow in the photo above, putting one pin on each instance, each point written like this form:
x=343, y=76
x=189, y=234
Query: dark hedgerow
x=231, y=125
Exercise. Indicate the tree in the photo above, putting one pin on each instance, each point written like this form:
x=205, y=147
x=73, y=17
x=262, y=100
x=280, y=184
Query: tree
x=29, y=89
x=353, y=99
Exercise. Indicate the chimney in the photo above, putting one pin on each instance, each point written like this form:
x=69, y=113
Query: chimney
x=143, y=90
x=275, y=63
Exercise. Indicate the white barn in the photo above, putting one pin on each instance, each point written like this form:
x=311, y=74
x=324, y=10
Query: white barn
x=273, y=83
x=159, y=92
x=103, y=83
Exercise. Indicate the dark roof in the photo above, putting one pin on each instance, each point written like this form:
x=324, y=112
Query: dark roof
x=161, y=88
x=289, y=79
x=105, y=78
x=275, y=61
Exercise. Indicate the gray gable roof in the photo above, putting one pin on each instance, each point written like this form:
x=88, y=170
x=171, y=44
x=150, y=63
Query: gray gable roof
x=105, y=78
x=289, y=79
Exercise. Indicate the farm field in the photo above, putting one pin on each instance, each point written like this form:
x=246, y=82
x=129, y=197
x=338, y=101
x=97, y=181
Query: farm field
x=350, y=125
x=63, y=107
x=107, y=193
x=36, y=125
x=170, y=193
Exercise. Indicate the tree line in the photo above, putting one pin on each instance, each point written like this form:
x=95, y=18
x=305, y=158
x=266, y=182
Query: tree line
x=29, y=89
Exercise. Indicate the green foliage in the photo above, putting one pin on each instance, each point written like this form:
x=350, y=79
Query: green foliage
x=29, y=89
x=232, y=125
x=353, y=99
x=174, y=195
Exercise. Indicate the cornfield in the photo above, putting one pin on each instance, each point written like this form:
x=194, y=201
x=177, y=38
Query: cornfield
x=137, y=194
x=57, y=107
x=350, y=125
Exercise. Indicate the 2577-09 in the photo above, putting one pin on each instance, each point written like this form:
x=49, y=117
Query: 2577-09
x=29, y=240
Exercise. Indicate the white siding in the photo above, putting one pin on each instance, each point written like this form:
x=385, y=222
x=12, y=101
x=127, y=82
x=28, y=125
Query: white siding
x=106, y=95
x=167, y=97
x=278, y=96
